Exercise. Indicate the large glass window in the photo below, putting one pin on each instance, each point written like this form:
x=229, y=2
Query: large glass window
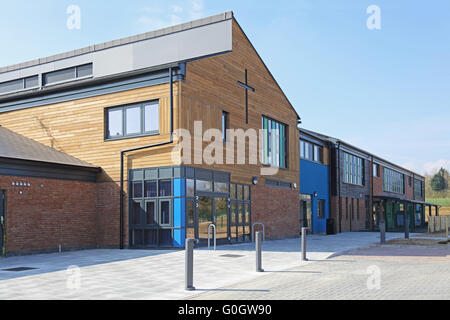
x=135, y=120
x=418, y=188
x=275, y=148
x=393, y=181
x=353, y=169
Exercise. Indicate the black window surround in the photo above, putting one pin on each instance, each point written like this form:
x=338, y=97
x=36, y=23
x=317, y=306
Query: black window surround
x=142, y=121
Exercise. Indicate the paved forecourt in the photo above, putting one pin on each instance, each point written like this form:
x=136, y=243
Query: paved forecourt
x=151, y=274
x=375, y=273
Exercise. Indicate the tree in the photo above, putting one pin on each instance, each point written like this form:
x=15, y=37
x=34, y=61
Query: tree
x=439, y=181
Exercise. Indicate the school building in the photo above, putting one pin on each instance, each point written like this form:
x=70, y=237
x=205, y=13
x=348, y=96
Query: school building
x=90, y=150
x=110, y=146
x=356, y=189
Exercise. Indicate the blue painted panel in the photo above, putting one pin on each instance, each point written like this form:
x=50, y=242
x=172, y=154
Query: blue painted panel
x=179, y=187
x=314, y=178
x=179, y=221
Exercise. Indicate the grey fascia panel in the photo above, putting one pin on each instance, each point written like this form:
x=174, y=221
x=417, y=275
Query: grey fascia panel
x=124, y=56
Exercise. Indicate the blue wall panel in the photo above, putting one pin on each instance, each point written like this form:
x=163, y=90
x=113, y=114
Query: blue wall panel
x=314, y=178
x=179, y=213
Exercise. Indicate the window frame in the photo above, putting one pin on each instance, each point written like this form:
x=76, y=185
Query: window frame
x=225, y=125
x=75, y=73
x=353, y=170
x=269, y=144
x=124, y=108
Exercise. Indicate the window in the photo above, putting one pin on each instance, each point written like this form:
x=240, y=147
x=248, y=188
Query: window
x=410, y=181
x=67, y=74
x=321, y=209
x=418, y=188
x=224, y=125
x=376, y=172
x=275, y=143
x=311, y=152
x=150, y=189
x=132, y=121
x=302, y=149
x=317, y=153
x=393, y=181
x=353, y=170
x=19, y=84
x=165, y=188
x=278, y=184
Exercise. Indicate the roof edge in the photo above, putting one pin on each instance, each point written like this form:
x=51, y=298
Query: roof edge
x=122, y=41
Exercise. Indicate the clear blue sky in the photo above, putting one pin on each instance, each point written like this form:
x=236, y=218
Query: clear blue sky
x=386, y=91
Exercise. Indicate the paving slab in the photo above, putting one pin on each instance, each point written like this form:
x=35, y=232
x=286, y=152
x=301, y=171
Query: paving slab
x=153, y=274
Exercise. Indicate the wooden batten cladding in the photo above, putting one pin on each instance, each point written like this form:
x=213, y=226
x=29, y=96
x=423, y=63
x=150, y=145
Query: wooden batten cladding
x=211, y=87
x=78, y=128
x=326, y=156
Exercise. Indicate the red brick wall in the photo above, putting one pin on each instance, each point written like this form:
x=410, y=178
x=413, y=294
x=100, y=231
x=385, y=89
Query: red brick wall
x=278, y=209
x=43, y=217
x=108, y=214
x=348, y=223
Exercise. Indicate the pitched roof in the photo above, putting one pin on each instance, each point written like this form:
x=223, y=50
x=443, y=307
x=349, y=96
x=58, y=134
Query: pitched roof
x=16, y=146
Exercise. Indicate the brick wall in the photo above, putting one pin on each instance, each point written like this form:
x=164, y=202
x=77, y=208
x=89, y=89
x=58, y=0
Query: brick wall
x=278, y=209
x=49, y=213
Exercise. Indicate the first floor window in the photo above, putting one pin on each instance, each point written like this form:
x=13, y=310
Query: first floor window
x=275, y=143
x=133, y=120
x=353, y=169
x=224, y=125
x=393, y=181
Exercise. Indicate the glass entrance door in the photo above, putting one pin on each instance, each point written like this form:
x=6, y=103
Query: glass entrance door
x=221, y=218
x=205, y=216
x=213, y=210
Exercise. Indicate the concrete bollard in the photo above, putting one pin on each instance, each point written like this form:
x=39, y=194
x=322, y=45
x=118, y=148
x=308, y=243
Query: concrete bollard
x=406, y=226
x=382, y=232
x=189, y=265
x=304, y=232
x=258, y=246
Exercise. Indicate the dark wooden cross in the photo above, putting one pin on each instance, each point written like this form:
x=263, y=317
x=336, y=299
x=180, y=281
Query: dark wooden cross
x=247, y=87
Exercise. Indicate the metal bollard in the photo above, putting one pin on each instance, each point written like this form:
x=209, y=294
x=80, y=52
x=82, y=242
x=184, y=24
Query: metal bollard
x=259, y=252
x=304, y=231
x=189, y=266
x=406, y=226
x=382, y=232
x=446, y=227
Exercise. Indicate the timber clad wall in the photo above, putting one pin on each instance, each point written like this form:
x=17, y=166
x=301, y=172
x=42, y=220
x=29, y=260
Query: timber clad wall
x=211, y=87
x=61, y=212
